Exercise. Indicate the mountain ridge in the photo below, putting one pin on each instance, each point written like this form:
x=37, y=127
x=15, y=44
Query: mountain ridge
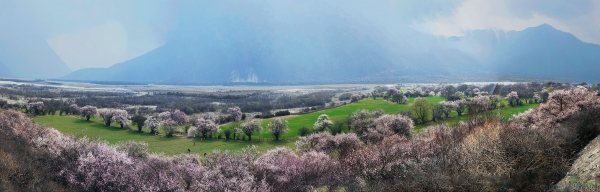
x=288, y=56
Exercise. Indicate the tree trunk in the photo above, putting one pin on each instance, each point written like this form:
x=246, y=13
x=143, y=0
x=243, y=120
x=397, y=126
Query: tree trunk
x=276, y=137
x=87, y=118
x=249, y=137
x=121, y=125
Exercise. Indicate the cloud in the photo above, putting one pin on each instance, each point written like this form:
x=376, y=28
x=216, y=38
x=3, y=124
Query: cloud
x=576, y=17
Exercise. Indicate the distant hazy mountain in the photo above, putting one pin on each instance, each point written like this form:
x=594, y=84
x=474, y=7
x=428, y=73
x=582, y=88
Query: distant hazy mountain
x=542, y=51
x=224, y=52
x=304, y=49
x=5, y=71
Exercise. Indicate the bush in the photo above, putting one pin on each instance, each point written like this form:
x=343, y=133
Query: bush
x=282, y=113
x=304, y=131
x=227, y=133
x=266, y=115
x=345, y=96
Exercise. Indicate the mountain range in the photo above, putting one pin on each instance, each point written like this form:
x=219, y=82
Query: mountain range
x=340, y=53
x=542, y=51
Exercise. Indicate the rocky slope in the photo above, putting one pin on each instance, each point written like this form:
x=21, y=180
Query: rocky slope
x=585, y=171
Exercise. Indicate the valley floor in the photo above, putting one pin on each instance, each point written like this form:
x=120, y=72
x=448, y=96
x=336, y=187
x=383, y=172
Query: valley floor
x=94, y=129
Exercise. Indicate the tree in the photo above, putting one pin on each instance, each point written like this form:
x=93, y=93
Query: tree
x=390, y=92
x=107, y=115
x=437, y=111
x=536, y=98
x=169, y=127
x=179, y=117
x=448, y=106
x=354, y=98
x=399, y=98
x=235, y=113
x=479, y=104
x=3, y=104
x=323, y=123
x=337, y=128
x=227, y=133
x=164, y=116
x=153, y=124
x=461, y=105
x=375, y=94
x=251, y=127
x=278, y=127
x=139, y=120
x=120, y=116
x=421, y=108
x=203, y=126
x=544, y=96
x=37, y=107
x=513, y=98
x=448, y=91
x=476, y=91
x=87, y=111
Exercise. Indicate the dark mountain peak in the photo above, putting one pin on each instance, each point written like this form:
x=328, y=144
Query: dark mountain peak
x=546, y=32
x=545, y=26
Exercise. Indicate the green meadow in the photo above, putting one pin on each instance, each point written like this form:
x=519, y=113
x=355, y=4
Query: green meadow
x=338, y=114
x=95, y=129
x=156, y=143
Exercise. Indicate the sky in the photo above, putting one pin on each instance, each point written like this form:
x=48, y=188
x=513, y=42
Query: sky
x=88, y=34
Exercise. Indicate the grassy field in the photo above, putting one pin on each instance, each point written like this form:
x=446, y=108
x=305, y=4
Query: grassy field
x=160, y=144
x=335, y=114
x=95, y=129
x=505, y=113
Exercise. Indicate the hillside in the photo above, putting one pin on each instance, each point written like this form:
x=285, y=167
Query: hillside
x=584, y=171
